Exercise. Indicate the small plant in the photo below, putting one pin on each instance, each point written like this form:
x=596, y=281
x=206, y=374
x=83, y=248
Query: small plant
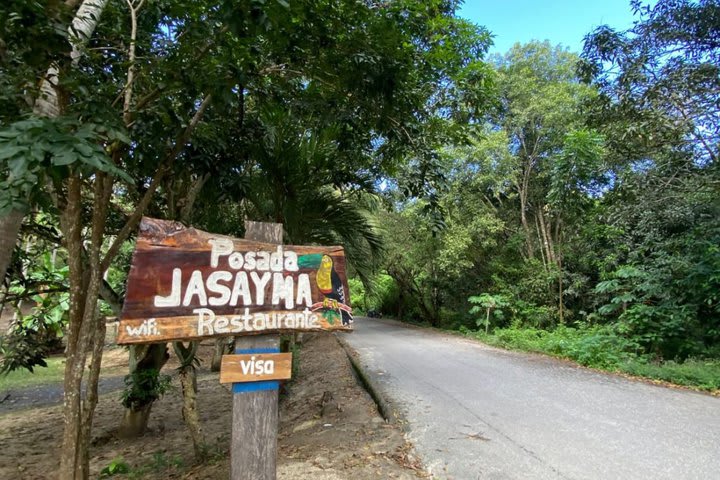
x=143, y=386
x=492, y=304
x=116, y=466
x=161, y=462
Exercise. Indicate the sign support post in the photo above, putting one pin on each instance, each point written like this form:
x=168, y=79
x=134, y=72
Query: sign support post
x=253, y=448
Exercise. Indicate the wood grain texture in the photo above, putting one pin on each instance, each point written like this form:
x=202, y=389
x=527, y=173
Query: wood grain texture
x=231, y=368
x=186, y=328
x=168, y=255
x=253, y=450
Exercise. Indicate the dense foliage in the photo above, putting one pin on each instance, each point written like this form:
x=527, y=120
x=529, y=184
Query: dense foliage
x=587, y=200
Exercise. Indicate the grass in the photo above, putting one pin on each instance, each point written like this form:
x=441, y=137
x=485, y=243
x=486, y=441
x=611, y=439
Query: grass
x=602, y=348
x=702, y=374
x=160, y=463
x=53, y=373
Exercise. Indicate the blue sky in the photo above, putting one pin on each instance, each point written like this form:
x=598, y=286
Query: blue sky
x=560, y=21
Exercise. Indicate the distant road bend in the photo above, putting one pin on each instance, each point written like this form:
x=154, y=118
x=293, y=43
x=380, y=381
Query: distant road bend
x=475, y=412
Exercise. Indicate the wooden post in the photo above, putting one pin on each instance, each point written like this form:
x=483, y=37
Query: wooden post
x=253, y=450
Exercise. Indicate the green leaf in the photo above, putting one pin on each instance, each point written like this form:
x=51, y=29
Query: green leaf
x=84, y=150
x=10, y=151
x=64, y=158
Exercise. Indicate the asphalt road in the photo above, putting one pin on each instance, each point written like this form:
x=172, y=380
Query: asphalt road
x=476, y=412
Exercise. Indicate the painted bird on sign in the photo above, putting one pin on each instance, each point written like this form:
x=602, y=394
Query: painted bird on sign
x=330, y=285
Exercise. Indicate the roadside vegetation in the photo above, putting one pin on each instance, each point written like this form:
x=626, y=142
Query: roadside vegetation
x=603, y=348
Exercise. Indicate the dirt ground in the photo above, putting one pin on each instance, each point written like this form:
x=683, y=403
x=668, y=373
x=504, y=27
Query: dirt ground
x=326, y=436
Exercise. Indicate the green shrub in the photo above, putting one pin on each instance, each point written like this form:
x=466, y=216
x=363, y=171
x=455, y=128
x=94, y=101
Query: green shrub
x=357, y=296
x=385, y=295
x=592, y=346
x=144, y=386
x=704, y=374
x=604, y=347
x=597, y=346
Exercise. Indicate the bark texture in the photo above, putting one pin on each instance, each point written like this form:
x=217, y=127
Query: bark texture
x=9, y=228
x=145, y=360
x=255, y=414
x=188, y=382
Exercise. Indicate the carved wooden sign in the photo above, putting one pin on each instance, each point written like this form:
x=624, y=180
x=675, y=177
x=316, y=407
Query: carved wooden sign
x=187, y=284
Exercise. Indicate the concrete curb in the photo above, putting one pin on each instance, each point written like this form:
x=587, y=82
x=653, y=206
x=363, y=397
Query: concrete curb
x=383, y=406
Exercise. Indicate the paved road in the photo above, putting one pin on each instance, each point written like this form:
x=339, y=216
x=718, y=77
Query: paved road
x=475, y=412
x=48, y=394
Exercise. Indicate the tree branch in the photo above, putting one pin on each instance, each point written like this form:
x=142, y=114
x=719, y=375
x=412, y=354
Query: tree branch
x=127, y=117
x=162, y=169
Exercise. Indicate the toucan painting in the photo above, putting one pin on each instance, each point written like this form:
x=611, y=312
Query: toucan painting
x=330, y=285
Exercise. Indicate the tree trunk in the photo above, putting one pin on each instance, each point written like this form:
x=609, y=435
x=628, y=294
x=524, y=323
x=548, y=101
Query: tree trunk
x=9, y=229
x=561, y=300
x=85, y=327
x=523, y=194
x=221, y=348
x=543, y=257
x=74, y=355
x=547, y=238
x=144, y=360
x=91, y=397
x=188, y=381
x=134, y=422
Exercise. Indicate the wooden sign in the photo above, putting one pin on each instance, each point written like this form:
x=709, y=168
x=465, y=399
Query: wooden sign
x=187, y=284
x=255, y=367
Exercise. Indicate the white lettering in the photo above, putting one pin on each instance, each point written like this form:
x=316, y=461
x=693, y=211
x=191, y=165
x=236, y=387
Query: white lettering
x=246, y=319
x=236, y=323
x=260, y=283
x=291, y=262
x=247, y=366
x=172, y=300
x=236, y=261
x=283, y=288
x=260, y=367
x=276, y=260
x=250, y=261
x=241, y=289
x=202, y=323
x=222, y=290
x=220, y=246
x=221, y=324
x=263, y=261
x=259, y=321
x=195, y=287
x=147, y=328
x=304, y=292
